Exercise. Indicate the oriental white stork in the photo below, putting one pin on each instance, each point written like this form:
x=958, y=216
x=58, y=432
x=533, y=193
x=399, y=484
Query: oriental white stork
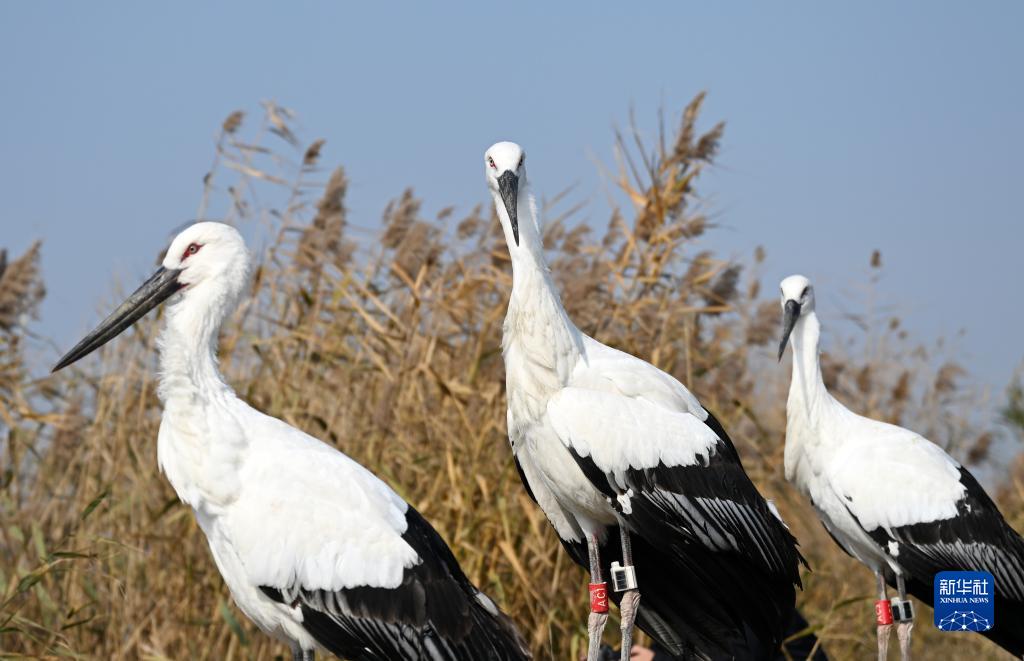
x=640, y=482
x=889, y=497
x=316, y=550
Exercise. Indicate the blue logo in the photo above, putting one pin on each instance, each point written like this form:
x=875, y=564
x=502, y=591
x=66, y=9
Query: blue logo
x=964, y=601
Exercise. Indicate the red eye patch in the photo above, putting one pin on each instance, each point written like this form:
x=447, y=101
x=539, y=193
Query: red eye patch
x=192, y=249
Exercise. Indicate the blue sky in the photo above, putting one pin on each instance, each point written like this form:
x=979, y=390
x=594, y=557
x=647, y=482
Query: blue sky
x=893, y=126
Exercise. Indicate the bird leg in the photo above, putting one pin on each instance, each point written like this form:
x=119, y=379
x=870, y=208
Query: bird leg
x=299, y=654
x=903, y=615
x=883, y=618
x=624, y=580
x=598, y=600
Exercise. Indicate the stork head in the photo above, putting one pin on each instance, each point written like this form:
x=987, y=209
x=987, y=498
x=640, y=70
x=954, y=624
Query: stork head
x=797, y=301
x=505, y=165
x=205, y=266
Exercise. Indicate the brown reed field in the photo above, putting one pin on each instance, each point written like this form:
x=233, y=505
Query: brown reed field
x=387, y=345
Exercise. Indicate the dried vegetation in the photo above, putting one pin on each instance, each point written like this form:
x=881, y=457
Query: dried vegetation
x=389, y=348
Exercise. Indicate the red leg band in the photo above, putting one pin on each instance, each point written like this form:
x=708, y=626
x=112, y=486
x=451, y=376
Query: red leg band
x=883, y=612
x=599, y=598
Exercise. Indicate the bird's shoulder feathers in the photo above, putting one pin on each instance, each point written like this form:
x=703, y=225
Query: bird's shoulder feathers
x=310, y=515
x=608, y=369
x=888, y=476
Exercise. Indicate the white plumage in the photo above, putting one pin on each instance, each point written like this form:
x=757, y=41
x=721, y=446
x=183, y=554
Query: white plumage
x=304, y=513
x=928, y=480
x=627, y=465
x=623, y=412
x=891, y=498
x=315, y=549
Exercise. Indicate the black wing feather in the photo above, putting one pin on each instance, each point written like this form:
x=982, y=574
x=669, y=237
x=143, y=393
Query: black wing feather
x=977, y=538
x=436, y=613
x=708, y=528
x=688, y=622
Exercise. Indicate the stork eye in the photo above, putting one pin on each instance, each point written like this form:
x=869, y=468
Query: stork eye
x=804, y=293
x=192, y=249
x=490, y=161
x=522, y=159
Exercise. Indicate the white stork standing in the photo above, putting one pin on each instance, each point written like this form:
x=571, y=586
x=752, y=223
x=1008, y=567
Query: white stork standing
x=316, y=550
x=889, y=497
x=639, y=481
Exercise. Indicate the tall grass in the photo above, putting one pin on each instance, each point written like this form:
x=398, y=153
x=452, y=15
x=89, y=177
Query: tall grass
x=388, y=347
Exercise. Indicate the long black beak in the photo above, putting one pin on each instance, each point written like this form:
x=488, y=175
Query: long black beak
x=152, y=293
x=790, y=315
x=508, y=186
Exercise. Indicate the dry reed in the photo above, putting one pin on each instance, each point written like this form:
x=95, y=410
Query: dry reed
x=390, y=350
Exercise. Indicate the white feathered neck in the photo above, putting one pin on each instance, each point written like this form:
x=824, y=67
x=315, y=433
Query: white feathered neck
x=807, y=392
x=188, y=343
x=541, y=345
x=201, y=443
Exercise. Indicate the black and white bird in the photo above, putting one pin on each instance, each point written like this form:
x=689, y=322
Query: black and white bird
x=889, y=497
x=316, y=550
x=640, y=482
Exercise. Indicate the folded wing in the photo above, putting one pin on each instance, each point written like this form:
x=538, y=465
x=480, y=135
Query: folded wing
x=371, y=577
x=675, y=479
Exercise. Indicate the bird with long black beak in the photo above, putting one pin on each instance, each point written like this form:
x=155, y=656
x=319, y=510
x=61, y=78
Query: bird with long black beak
x=316, y=550
x=890, y=498
x=640, y=482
